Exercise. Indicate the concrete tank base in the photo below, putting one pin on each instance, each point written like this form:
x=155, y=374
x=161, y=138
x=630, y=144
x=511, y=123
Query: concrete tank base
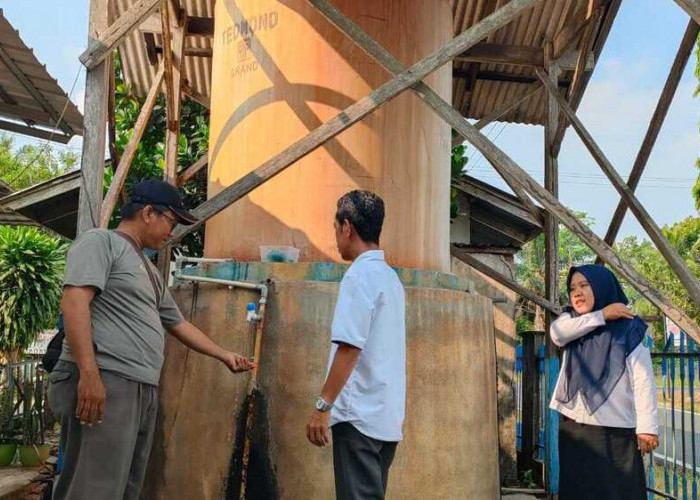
x=450, y=447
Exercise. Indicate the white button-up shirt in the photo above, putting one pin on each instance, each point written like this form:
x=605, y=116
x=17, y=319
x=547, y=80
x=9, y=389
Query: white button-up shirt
x=632, y=403
x=371, y=315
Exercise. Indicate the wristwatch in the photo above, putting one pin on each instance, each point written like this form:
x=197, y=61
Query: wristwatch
x=322, y=406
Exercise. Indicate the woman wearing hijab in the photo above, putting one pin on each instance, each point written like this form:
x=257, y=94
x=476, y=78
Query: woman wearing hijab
x=605, y=393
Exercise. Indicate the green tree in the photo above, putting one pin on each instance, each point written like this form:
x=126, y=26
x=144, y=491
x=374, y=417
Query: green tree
x=24, y=166
x=149, y=159
x=31, y=274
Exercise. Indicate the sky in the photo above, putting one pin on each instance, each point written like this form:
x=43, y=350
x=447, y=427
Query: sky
x=616, y=108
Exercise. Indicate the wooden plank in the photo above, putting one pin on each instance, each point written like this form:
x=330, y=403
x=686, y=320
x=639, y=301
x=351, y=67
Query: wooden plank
x=191, y=51
x=35, y=93
x=192, y=170
x=496, y=225
x=568, y=61
x=150, y=41
x=354, y=113
x=593, y=18
x=196, y=26
x=177, y=20
x=674, y=77
x=36, y=194
x=529, y=387
x=129, y=152
x=507, y=168
x=194, y=95
x=101, y=47
x=690, y=282
x=515, y=55
x=35, y=132
x=551, y=277
x=692, y=8
x=174, y=101
x=167, y=18
x=475, y=263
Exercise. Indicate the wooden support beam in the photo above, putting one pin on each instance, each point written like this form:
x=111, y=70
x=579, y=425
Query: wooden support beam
x=5, y=96
x=515, y=55
x=150, y=41
x=129, y=152
x=523, y=55
x=692, y=8
x=499, y=76
x=475, y=263
x=196, y=26
x=94, y=129
x=593, y=18
x=674, y=77
x=175, y=22
x=100, y=47
x=355, y=113
x=24, y=80
x=192, y=170
x=34, y=132
x=507, y=168
x=192, y=51
x=690, y=282
x=194, y=95
x=551, y=274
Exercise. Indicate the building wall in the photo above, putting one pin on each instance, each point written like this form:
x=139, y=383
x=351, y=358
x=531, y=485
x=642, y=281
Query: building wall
x=504, y=328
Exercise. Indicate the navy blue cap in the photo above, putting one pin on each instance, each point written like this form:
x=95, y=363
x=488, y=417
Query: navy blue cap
x=160, y=194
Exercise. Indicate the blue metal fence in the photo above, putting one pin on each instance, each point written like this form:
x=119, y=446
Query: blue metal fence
x=672, y=470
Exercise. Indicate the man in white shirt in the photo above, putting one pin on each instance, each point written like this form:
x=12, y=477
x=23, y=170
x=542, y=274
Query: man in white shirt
x=363, y=400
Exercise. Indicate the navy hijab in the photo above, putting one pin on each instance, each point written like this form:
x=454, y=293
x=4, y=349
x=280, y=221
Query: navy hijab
x=597, y=361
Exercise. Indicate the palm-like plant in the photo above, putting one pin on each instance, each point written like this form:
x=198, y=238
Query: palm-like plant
x=31, y=273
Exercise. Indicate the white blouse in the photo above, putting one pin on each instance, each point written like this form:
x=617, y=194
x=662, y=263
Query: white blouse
x=631, y=404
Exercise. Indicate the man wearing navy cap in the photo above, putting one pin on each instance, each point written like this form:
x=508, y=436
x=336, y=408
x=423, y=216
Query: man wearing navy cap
x=104, y=388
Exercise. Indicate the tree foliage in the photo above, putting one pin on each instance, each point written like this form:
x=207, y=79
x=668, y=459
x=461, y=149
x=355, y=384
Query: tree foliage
x=31, y=275
x=29, y=164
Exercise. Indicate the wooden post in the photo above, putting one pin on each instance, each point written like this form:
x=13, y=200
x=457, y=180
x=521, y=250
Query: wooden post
x=551, y=278
x=657, y=121
x=690, y=282
x=95, y=125
x=692, y=7
x=529, y=387
x=472, y=261
x=506, y=167
x=173, y=57
x=354, y=113
x=122, y=170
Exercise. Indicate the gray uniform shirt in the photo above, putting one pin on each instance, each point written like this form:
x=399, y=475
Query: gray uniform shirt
x=127, y=327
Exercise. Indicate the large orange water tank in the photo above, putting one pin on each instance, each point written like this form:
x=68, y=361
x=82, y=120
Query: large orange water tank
x=280, y=70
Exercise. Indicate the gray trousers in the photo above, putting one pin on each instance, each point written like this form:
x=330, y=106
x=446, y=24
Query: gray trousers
x=106, y=461
x=361, y=464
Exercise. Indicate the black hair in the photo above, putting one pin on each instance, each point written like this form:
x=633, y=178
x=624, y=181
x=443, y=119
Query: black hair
x=365, y=211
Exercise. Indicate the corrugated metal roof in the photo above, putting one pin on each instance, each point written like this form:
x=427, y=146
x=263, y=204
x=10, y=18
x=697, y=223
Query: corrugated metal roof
x=552, y=20
x=19, y=69
x=138, y=70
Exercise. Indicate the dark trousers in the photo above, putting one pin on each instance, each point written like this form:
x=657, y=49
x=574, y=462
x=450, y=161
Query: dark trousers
x=599, y=463
x=106, y=461
x=361, y=464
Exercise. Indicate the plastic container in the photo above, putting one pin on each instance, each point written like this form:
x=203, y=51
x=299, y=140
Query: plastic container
x=279, y=254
